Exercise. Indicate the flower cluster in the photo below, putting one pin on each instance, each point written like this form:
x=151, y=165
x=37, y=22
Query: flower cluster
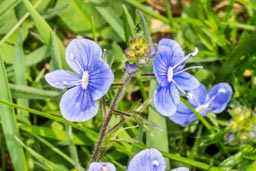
x=94, y=77
x=171, y=76
x=168, y=65
x=215, y=101
x=146, y=160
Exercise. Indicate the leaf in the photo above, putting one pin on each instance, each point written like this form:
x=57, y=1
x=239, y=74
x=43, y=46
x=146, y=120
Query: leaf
x=128, y=25
x=8, y=5
x=245, y=47
x=110, y=16
x=44, y=29
x=27, y=92
x=158, y=138
x=50, y=165
x=8, y=122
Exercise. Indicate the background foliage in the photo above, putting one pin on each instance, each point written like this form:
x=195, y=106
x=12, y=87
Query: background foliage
x=33, y=36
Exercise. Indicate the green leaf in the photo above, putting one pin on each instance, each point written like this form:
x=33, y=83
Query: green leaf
x=50, y=165
x=21, y=91
x=44, y=29
x=245, y=47
x=56, y=134
x=8, y=120
x=128, y=25
x=7, y=5
x=110, y=16
x=158, y=137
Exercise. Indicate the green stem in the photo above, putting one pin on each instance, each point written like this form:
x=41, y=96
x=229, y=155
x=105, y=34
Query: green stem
x=97, y=149
x=198, y=115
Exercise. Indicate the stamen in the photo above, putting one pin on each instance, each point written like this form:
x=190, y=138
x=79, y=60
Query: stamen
x=186, y=57
x=69, y=84
x=192, y=67
x=85, y=79
x=170, y=74
x=195, y=52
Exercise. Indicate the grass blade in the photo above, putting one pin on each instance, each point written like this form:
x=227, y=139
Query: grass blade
x=9, y=124
x=159, y=137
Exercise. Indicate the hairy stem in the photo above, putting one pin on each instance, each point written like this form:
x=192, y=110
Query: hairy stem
x=97, y=149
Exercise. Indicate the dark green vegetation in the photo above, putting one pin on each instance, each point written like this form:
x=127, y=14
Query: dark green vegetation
x=33, y=36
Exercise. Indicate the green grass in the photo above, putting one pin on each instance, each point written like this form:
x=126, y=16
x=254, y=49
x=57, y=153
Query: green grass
x=33, y=37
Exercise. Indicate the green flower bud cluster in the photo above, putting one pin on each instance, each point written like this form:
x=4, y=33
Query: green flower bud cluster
x=138, y=51
x=243, y=124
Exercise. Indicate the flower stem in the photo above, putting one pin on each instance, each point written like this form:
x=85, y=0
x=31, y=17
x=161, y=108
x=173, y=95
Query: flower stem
x=97, y=149
x=198, y=115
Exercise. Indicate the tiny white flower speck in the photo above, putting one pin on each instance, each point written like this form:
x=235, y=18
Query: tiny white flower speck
x=71, y=56
x=65, y=82
x=190, y=95
x=222, y=90
x=155, y=163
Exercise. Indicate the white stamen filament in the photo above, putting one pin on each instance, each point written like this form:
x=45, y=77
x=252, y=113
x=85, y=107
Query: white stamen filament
x=85, y=79
x=192, y=67
x=186, y=57
x=170, y=74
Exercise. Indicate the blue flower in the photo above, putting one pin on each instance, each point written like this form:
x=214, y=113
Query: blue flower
x=146, y=160
x=215, y=101
x=168, y=67
x=91, y=82
x=101, y=166
x=180, y=169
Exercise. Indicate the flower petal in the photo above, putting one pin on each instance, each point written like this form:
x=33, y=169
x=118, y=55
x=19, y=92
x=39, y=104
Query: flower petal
x=180, y=169
x=219, y=95
x=185, y=81
x=197, y=96
x=101, y=166
x=161, y=63
x=166, y=99
x=184, y=116
x=178, y=53
x=62, y=79
x=77, y=105
x=146, y=160
x=100, y=79
x=80, y=53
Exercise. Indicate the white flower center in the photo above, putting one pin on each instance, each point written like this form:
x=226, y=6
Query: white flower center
x=190, y=95
x=170, y=74
x=104, y=168
x=222, y=90
x=85, y=79
x=201, y=108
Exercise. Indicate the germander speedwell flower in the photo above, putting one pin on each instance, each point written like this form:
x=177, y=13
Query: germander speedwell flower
x=168, y=67
x=147, y=160
x=101, y=166
x=93, y=80
x=215, y=101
